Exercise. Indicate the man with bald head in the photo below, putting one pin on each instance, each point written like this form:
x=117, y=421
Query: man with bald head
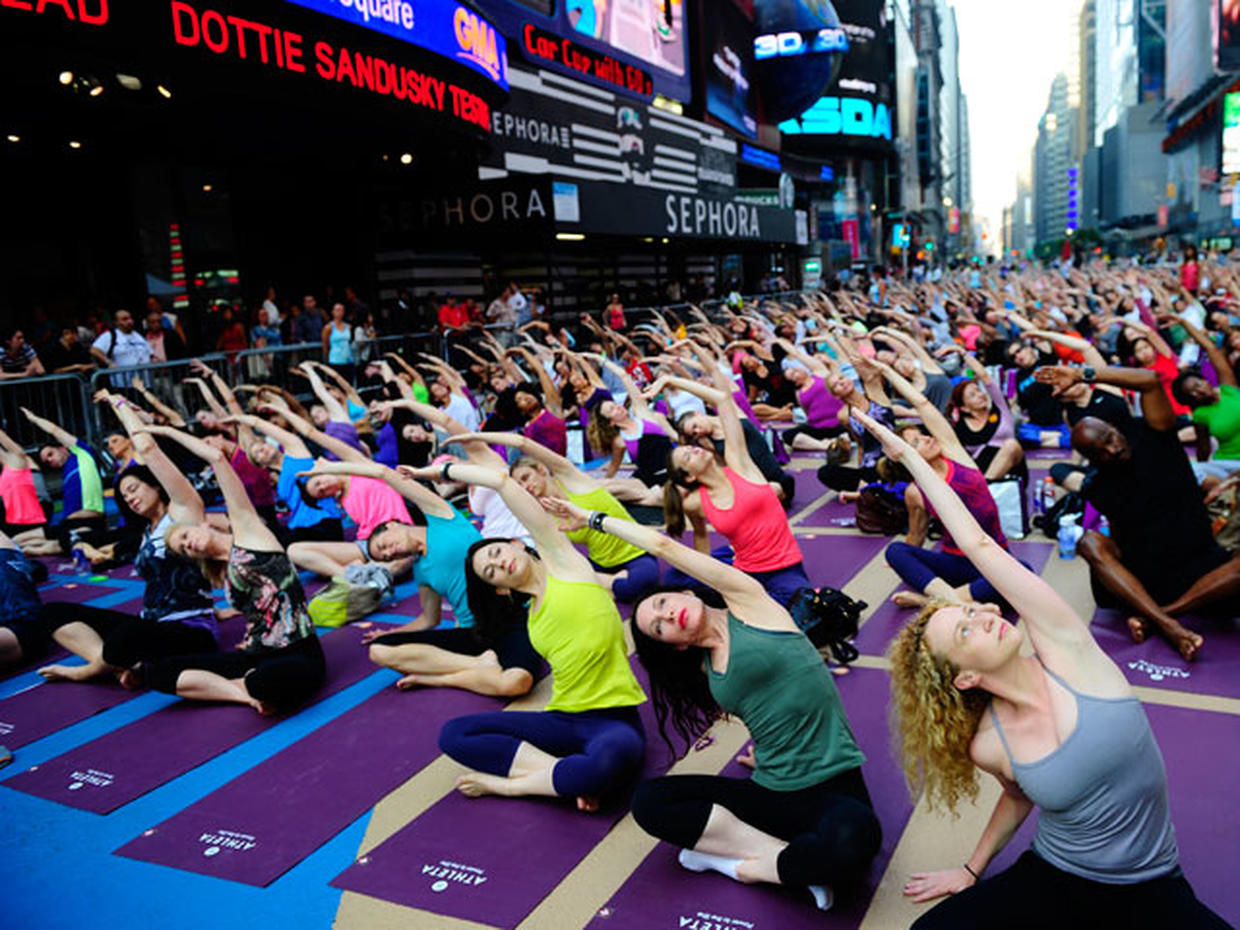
x=1161, y=558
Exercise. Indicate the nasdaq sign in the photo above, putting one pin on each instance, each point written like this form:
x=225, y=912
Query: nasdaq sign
x=842, y=116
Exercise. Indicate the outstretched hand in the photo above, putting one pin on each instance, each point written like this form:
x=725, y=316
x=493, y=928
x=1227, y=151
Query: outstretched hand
x=1060, y=377
x=569, y=515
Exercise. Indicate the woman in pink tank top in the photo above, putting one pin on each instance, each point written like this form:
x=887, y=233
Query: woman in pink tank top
x=736, y=500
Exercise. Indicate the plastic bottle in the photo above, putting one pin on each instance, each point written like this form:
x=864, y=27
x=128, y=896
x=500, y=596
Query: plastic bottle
x=81, y=564
x=1048, y=493
x=1069, y=535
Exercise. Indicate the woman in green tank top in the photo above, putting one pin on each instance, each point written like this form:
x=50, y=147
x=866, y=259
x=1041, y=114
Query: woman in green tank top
x=589, y=740
x=624, y=569
x=805, y=817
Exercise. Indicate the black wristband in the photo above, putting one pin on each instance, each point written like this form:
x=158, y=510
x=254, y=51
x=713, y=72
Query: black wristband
x=443, y=472
x=596, y=521
x=976, y=877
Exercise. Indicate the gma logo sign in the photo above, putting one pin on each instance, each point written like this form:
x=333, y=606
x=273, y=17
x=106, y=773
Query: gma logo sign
x=477, y=40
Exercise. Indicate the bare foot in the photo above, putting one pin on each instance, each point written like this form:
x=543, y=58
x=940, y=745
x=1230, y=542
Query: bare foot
x=747, y=758
x=849, y=497
x=1138, y=629
x=1188, y=643
x=909, y=599
x=489, y=658
x=407, y=682
x=69, y=672
x=588, y=805
x=477, y=784
x=840, y=670
x=264, y=709
x=129, y=679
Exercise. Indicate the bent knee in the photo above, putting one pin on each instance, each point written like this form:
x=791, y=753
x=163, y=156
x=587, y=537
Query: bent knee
x=381, y=655
x=1093, y=547
x=515, y=682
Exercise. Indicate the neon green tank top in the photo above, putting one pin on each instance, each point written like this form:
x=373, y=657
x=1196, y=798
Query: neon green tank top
x=578, y=630
x=605, y=550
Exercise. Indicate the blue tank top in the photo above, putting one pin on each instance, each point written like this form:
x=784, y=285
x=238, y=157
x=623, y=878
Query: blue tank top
x=340, y=346
x=1101, y=795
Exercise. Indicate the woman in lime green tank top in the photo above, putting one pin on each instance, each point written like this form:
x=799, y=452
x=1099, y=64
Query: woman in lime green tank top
x=590, y=739
x=805, y=817
x=625, y=570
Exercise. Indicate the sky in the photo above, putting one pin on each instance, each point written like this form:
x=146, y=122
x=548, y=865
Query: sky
x=1009, y=54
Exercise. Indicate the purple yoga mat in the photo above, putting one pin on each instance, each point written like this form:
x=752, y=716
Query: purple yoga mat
x=1155, y=664
x=662, y=894
x=75, y=592
x=125, y=764
x=490, y=860
x=833, y=514
x=53, y=656
x=834, y=560
x=254, y=829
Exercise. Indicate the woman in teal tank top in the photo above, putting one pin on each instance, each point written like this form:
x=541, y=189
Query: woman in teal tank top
x=1060, y=729
x=804, y=818
x=589, y=741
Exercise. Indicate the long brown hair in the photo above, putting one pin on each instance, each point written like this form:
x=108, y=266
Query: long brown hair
x=933, y=721
x=601, y=433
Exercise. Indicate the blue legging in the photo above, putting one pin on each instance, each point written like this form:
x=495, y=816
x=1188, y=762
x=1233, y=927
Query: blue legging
x=918, y=567
x=643, y=576
x=598, y=749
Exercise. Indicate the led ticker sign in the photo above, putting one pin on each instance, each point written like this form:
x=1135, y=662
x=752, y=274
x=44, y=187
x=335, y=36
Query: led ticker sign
x=91, y=12
x=442, y=26
x=549, y=47
x=759, y=158
x=268, y=45
x=792, y=43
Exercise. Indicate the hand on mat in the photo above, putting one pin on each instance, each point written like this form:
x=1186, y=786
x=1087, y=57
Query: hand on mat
x=926, y=886
x=570, y=516
x=747, y=758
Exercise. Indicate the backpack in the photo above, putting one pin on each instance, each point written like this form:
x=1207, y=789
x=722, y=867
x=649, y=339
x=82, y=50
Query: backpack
x=351, y=596
x=829, y=618
x=1072, y=502
x=881, y=511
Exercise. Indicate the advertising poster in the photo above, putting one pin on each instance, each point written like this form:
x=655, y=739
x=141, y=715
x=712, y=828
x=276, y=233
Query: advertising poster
x=729, y=67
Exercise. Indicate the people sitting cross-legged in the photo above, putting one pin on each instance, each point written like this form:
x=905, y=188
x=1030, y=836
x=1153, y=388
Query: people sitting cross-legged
x=805, y=817
x=1161, y=559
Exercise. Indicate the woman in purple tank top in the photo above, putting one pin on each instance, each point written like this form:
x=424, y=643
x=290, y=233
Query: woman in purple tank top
x=822, y=428
x=1059, y=729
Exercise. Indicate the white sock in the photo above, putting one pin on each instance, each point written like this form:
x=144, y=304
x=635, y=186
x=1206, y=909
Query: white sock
x=823, y=896
x=702, y=862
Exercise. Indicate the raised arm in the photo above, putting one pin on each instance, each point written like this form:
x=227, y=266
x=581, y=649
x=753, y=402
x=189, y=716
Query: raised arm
x=557, y=553
x=304, y=428
x=572, y=478
x=1093, y=358
x=184, y=503
x=745, y=595
x=339, y=379
x=1216, y=355
x=13, y=455
x=933, y=420
x=816, y=367
x=61, y=435
x=1058, y=634
x=248, y=528
x=291, y=443
x=170, y=414
x=1155, y=406
x=399, y=481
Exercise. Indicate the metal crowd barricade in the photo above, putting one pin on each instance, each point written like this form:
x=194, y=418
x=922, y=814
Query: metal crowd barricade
x=271, y=364
x=166, y=380
x=63, y=399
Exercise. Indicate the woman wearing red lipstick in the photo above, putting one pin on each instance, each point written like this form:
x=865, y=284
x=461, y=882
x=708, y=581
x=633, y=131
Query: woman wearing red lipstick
x=1060, y=729
x=805, y=817
x=736, y=499
x=590, y=739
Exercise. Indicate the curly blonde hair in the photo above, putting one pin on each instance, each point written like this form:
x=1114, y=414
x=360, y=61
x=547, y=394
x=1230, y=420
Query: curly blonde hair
x=933, y=721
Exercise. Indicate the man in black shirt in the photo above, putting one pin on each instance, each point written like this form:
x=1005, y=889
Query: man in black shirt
x=1161, y=558
x=67, y=353
x=1083, y=400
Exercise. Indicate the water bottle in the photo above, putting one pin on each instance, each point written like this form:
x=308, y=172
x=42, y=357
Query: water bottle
x=1069, y=535
x=1040, y=497
x=81, y=564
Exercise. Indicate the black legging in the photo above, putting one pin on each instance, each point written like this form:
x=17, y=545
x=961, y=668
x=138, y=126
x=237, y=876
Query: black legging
x=830, y=827
x=846, y=477
x=512, y=647
x=1033, y=894
x=283, y=677
x=128, y=640
x=328, y=530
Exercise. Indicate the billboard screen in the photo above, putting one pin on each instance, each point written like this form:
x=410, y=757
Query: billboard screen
x=638, y=47
x=1231, y=134
x=1227, y=36
x=729, y=69
x=857, y=102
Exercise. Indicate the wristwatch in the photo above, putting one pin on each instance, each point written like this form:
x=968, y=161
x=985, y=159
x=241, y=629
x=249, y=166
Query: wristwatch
x=1088, y=375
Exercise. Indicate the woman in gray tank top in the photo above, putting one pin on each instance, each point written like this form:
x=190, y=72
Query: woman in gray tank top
x=1061, y=730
